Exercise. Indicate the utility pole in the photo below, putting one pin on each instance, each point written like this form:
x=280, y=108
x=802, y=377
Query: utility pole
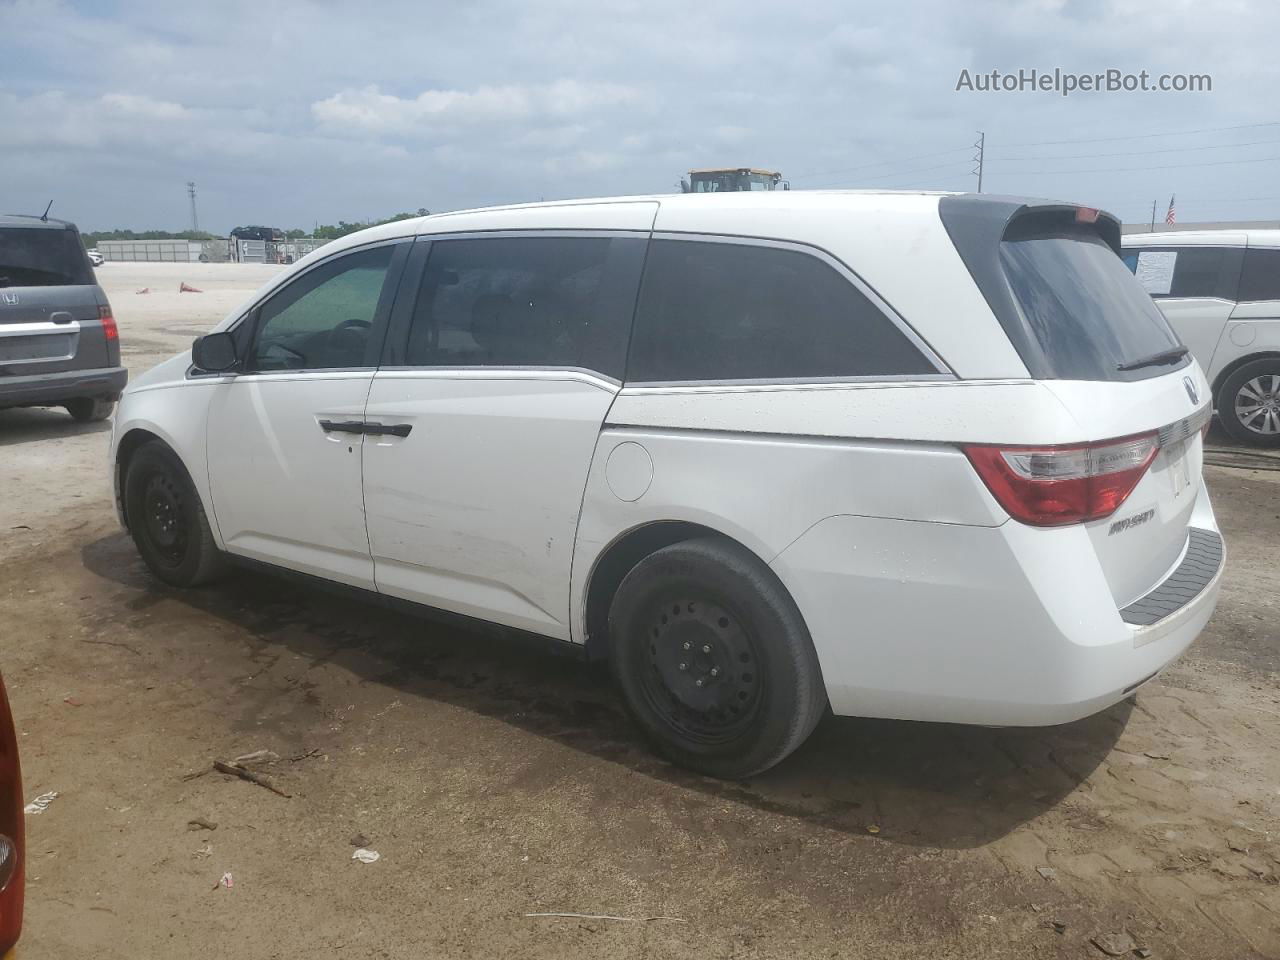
x=1153, y=216
x=191, y=192
x=981, y=146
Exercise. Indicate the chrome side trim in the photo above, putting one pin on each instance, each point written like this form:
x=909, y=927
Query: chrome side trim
x=500, y=233
x=836, y=264
x=637, y=388
x=575, y=374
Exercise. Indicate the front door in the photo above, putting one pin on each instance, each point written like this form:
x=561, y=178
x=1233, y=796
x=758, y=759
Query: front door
x=285, y=435
x=498, y=389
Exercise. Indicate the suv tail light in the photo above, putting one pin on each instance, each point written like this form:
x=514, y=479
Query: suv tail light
x=12, y=845
x=1051, y=486
x=109, y=328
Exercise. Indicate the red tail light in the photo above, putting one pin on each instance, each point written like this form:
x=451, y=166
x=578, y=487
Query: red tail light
x=1050, y=486
x=12, y=844
x=109, y=328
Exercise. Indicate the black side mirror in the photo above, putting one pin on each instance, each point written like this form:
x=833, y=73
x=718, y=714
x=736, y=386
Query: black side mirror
x=214, y=352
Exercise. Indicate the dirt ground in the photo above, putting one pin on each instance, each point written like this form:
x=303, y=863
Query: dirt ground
x=495, y=782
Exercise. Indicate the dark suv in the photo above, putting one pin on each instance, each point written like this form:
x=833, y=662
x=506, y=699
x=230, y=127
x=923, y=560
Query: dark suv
x=59, y=346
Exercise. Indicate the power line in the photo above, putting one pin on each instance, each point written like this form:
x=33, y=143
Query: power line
x=1148, y=136
x=1138, y=153
x=1168, y=166
x=1054, y=143
x=879, y=163
x=902, y=173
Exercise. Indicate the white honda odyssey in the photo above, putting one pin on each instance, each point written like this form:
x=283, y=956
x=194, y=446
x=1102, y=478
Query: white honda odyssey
x=920, y=456
x=1220, y=292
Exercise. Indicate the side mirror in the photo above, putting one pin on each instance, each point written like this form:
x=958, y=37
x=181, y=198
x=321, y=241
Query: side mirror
x=214, y=352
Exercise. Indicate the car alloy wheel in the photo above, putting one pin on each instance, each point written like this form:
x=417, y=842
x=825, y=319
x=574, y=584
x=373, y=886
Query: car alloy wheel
x=1257, y=405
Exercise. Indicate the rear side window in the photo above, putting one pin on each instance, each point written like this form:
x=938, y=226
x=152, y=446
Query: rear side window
x=526, y=302
x=1080, y=306
x=1260, y=278
x=42, y=257
x=1186, y=272
x=723, y=311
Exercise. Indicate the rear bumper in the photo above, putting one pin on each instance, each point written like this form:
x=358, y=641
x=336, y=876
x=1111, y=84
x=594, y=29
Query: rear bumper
x=1008, y=626
x=51, y=389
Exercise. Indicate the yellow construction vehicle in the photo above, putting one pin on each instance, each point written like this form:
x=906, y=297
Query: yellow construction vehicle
x=727, y=179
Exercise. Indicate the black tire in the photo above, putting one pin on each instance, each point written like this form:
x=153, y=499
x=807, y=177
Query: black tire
x=714, y=607
x=167, y=520
x=89, y=410
x=1236, y=403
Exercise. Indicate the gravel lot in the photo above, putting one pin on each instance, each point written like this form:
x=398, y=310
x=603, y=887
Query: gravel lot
x=496, y=783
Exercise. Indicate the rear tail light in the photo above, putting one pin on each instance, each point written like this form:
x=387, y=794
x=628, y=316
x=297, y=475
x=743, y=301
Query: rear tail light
x=1050, y=486
x=109, y=328
x=11, y=830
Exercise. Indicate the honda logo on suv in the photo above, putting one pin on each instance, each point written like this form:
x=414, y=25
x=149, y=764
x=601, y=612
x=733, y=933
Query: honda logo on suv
x=9, y=298
x=1191, y=390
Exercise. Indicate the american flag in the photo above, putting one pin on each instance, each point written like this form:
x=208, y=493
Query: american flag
x=1169, y=217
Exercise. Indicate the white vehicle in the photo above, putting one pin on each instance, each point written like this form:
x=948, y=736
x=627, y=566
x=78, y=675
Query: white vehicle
x=1220, y=291
x=96, y=258
x=921, y=456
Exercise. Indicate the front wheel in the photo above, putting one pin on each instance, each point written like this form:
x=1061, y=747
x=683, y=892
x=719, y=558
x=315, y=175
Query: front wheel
x=714, y=659
x=89, y=410
x=167, y=520
x=1249, y=403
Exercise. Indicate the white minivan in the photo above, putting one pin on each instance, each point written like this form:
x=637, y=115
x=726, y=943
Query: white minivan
x=921, y=456
x=1220, y=291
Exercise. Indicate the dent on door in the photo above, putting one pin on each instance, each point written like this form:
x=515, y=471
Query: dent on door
x=476, y=510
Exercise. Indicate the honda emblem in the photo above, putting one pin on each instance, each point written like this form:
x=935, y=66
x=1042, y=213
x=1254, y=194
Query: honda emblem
x=10, y=298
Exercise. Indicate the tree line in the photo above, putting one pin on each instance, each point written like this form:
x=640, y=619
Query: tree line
x=326, y=231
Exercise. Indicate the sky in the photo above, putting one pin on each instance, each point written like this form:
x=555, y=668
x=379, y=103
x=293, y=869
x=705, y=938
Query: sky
x=293, y=112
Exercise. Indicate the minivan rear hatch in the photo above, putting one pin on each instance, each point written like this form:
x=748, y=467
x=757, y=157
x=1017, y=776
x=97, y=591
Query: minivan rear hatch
x=1086, y=329
x=49, y=299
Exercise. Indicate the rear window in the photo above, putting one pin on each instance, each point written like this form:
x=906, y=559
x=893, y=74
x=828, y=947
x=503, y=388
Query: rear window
x=41, y=257
x=1081, y=307
x=1260, y=279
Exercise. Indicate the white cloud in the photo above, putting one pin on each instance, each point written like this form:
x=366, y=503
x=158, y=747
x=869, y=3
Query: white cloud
x=297, y=110
x=131, y=104
x=368, y=110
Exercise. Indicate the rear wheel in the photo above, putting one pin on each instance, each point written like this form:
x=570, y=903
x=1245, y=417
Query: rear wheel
x=167, y=520
x=89, y=410
x=1249, y=403
x=714, y=659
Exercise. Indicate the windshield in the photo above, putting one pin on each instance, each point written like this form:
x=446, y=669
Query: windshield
x=41, y=257
x=1083, y=307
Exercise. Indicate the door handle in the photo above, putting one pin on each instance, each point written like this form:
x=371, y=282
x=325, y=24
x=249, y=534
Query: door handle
x=388, y=429
x=342, y=426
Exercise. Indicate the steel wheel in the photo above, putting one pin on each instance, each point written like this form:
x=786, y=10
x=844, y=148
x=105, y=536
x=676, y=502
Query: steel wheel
x=1257, y=405
x=703, y=678
x=165, y=518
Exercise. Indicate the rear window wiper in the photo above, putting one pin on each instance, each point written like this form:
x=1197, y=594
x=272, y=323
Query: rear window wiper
x=1173, y=355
